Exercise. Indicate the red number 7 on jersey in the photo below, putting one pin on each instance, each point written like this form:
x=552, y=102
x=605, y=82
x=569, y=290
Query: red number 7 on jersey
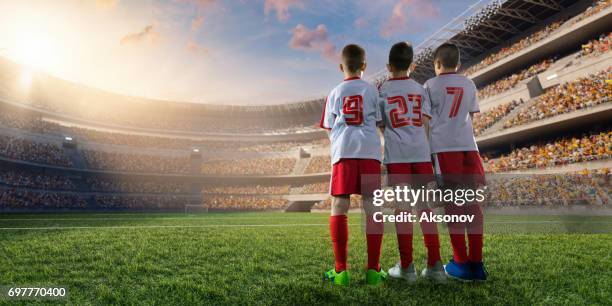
x=353, y=106
x=457, y=93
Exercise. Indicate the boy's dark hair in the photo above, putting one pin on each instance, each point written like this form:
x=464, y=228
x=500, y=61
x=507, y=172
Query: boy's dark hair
x=353, y=56
x=400, y=55
x=448, y=55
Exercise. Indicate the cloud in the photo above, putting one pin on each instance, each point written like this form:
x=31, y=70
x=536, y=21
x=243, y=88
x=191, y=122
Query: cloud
x=197, y=22
x=106, y=4
x=408, y=15
x=282, y=8
x=313, y=40
x=148, y=34
x=360, y=22
x=201, y=6
x=195, y=48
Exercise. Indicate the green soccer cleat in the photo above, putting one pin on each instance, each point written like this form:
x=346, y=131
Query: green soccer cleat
x=375, y=278
x=337, y=278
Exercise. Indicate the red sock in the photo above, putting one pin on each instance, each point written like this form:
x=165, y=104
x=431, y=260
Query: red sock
x=457, y=234
x=404, y=240
x=430, y=237
x=338, y=226
x=475, y=230
x=374, y=236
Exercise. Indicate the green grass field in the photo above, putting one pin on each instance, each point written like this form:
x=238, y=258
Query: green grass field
x=279, y=258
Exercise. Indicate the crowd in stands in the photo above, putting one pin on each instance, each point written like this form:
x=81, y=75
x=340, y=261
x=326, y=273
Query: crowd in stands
x=136, y=162
x=252, y=189
x=560, y=152
x=43, y=153
x=186, y=144
x=143, y=202
x=326, y=204
x=486, y=119
x=259, y=166
x=582, y=93
x=596, y=47
x=520, y=45
x=550, y=190
x=22, y=198
x=511, y=81
x=33, y=123
x=97, y=184
x=319, y=164
x=35, y=180
x=244, y=203
x=322, y=187
x=26, y=121
x=597, y=6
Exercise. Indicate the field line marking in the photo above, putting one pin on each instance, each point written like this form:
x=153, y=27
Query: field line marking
x=233, y=225
x=147, y=218
x=160, y=226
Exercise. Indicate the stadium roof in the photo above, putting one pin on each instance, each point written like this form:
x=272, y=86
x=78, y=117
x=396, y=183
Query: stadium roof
x=483, y=27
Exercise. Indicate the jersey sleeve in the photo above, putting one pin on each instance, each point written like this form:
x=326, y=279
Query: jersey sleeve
x=475, y=108
x=427, y=97
x=328, y=117
x=426, y=104
x=377, y=100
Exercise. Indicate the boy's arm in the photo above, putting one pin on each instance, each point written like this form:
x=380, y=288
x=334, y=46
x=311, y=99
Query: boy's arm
x=328, y=117
x=426, y=111
x=426, y=125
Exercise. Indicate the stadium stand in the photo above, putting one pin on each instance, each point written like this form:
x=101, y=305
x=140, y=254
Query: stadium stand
x=596, y=146
x=582, y=93
x=43, y=153
x=36, y=180
x=136, y=162
x=21, y=198
x=319, y=164
x=269, y=166
x=251, y=189
x=139, y=159
x=486, y=119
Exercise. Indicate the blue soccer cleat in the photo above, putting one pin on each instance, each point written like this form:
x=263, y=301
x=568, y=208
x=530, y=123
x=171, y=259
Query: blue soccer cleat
x=458, y=271
x=479, y=272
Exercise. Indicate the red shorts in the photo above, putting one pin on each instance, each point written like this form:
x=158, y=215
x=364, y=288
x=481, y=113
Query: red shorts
x=409, y=173
x=460, y=167
x=347, y=176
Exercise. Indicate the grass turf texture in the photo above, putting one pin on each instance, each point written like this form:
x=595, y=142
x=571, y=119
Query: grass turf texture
x=279, y=258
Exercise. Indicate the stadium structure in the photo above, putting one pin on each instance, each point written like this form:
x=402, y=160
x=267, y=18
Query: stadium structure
x=543, y=68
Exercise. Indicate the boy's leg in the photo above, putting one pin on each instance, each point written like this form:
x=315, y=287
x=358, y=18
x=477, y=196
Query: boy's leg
x=475, y=232
x=338, y=227
x=430, y=238
x=404, y=239
x=450, y=166
x=456, y=231
x=475, y=229
x=399, y=174
x=423, y=175
x=370, y=180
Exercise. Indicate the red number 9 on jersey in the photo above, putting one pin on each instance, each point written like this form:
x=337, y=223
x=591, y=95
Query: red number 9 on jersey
x=352, y=107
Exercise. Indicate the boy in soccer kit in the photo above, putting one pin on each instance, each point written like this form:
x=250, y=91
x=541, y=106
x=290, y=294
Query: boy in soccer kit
x=455, y=154
x=351, y=114
x=405, y=110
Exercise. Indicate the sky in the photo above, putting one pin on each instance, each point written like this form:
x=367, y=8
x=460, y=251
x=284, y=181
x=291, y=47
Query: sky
x=212, y=51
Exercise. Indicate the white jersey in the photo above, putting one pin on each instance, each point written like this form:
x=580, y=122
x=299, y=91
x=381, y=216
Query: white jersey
x=351, y=112
x=403, y=106
x=453, y=99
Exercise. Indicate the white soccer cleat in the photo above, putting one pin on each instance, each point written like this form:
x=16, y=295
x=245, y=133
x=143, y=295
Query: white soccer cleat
x=435, y=273
x=408, y=274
